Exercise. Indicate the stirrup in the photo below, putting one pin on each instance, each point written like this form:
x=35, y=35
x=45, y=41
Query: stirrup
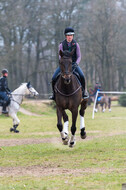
x=85, y=95
x=52, y=97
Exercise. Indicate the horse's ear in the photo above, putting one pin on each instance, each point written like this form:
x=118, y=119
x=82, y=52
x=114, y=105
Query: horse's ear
x=72, y=52
x=61, y=53
x=28, y=85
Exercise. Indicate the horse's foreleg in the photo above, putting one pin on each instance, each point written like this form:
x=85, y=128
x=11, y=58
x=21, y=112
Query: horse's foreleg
x=109, y=104
x=104, y=108
x=82, y=122
x=96, y=108
x=16, y=122
x=59, y=120
x=73, y=128
x=60, y=126
x=65, y=132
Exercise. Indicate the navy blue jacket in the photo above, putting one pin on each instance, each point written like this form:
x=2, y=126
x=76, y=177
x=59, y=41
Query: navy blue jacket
x=4, y=85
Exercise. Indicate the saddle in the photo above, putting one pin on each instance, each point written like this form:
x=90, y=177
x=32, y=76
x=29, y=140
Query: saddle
x=77, y=76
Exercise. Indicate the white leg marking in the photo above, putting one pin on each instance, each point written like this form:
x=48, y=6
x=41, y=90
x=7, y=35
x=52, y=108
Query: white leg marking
x=64, y=133
x=65, y=127
x=82, y=123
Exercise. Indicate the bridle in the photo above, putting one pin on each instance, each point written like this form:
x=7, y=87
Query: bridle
x=21, y=95
x=63, y=76
x=31, y=91
x=66, y=73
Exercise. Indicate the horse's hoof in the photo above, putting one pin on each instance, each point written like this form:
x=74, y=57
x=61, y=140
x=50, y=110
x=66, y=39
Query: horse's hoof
x=65, y=140
x=72, y=144
x=16, y=131
x=11, y=129
x=84, y=136
x=83, y=133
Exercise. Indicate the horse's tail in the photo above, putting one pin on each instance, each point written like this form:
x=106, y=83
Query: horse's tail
x=109, y=102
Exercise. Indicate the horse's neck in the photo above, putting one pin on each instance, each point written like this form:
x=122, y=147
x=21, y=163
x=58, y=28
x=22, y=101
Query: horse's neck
x=19, y=93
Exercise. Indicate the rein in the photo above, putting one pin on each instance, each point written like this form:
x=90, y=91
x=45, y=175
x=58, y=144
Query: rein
x=17, y=101
x=67, y=95
x=19, y=95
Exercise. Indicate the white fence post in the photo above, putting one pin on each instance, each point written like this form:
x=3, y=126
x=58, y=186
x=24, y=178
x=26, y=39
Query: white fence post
x=94, y=104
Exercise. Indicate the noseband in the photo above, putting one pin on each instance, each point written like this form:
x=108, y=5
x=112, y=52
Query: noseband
x=63, y=74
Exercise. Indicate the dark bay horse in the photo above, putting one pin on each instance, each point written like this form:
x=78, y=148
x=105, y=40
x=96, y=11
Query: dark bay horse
x=68, y=95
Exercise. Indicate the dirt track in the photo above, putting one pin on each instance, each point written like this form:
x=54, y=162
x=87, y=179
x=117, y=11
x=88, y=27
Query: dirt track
x=25, y=141
x=38, y=171
x=26, y=112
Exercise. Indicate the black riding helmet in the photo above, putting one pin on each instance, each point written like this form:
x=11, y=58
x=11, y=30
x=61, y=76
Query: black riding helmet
x=69, y=31
x=98, y=85
x=4, y=71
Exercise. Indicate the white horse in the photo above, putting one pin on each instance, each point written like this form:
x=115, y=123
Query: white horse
x=16, y=100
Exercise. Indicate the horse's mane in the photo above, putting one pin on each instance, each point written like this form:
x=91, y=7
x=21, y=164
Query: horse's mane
x=22, y=84
x=66, y=54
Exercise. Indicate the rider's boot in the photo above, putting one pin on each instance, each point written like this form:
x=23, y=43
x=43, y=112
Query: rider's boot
x=85, y=94
x=4, y=111
x=52, y=97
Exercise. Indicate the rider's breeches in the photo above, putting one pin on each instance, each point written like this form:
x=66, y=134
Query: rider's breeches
x=3, y=96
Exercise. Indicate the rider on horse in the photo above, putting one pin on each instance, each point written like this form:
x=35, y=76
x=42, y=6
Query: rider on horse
x=98, y=88
x=70, y=44
x=4, y=90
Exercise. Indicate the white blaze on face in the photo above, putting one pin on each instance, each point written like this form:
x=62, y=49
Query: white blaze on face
x=82, y=123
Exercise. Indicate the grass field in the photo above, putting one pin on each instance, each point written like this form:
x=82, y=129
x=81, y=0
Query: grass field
x=35, y=158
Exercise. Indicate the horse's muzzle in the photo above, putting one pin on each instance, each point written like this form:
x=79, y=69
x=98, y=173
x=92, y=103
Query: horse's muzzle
x=67, y=81
x=67, y=78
